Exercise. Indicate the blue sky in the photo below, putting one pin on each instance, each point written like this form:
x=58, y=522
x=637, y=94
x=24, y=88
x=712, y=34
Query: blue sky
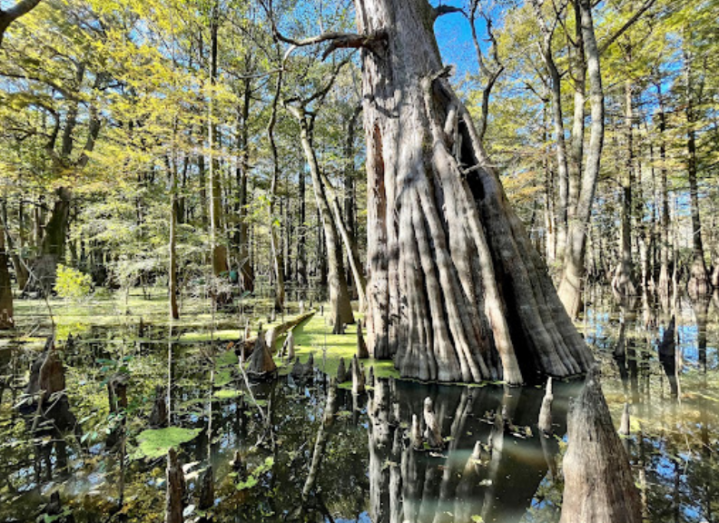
x=455, y=41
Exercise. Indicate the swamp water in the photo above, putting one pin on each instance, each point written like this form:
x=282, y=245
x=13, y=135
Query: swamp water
x=357, y=465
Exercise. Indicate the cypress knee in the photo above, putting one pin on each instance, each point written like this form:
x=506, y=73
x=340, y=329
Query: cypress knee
x=362, y=352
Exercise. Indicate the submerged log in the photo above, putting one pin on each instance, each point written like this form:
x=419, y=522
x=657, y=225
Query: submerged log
x=545, y=414
x=158, y=416
x=249, y=343
x=598, y=482
x=175, y=495
x=362, y=352
x=261, y=366
x=432, y=429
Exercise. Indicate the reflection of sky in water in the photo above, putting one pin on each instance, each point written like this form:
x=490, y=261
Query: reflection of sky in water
x=522, y=489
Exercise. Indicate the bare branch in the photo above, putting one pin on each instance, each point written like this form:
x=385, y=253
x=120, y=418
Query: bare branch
x=442, y=10
x=23, y=7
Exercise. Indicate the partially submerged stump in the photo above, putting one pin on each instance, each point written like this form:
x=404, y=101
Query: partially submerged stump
x=117, y=399
x=262, y=366
x=545, y=414
x=206, y=497
x=362, y=352
x=158, y=416
x=358, y=380
x=341, y=371
x=304, y=370
x=415, y=436
x=175, y=495
x=432, y=429
x=598, y=482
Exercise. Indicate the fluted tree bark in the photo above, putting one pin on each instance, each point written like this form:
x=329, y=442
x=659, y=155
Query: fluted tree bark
x=456, y=290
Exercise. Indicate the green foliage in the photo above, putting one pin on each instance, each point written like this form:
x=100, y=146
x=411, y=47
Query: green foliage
x=254, y=477
x=72, y=283
x=155, y=443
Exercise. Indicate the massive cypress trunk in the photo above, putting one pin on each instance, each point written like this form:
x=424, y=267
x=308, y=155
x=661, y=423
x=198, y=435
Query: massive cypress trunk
x=456, y=290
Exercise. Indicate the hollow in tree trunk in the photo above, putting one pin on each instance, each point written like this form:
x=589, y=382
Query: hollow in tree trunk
x=456, y=290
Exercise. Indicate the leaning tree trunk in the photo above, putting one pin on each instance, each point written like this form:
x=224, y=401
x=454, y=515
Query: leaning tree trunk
x=337, y=283
x=456, y=290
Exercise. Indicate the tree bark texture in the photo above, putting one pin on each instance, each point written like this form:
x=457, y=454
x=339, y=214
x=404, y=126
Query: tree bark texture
x=599, y=487
x=456, y=290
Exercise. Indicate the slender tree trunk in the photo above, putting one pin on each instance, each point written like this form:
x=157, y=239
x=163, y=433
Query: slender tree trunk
x=576, y=152
x=549, y=211
x=349, y=189
x=219, y=252
x=349, y=242
x=664, y=274
x=559, y=134
x=561, y=152
x=276, y=250
x=699, y=284
x=6, y=304
x=301, y=269
x=456, y=291
x=174, y=311
x=247, y=275
x=571, y=286
x=623, y=281
x=15, y=255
